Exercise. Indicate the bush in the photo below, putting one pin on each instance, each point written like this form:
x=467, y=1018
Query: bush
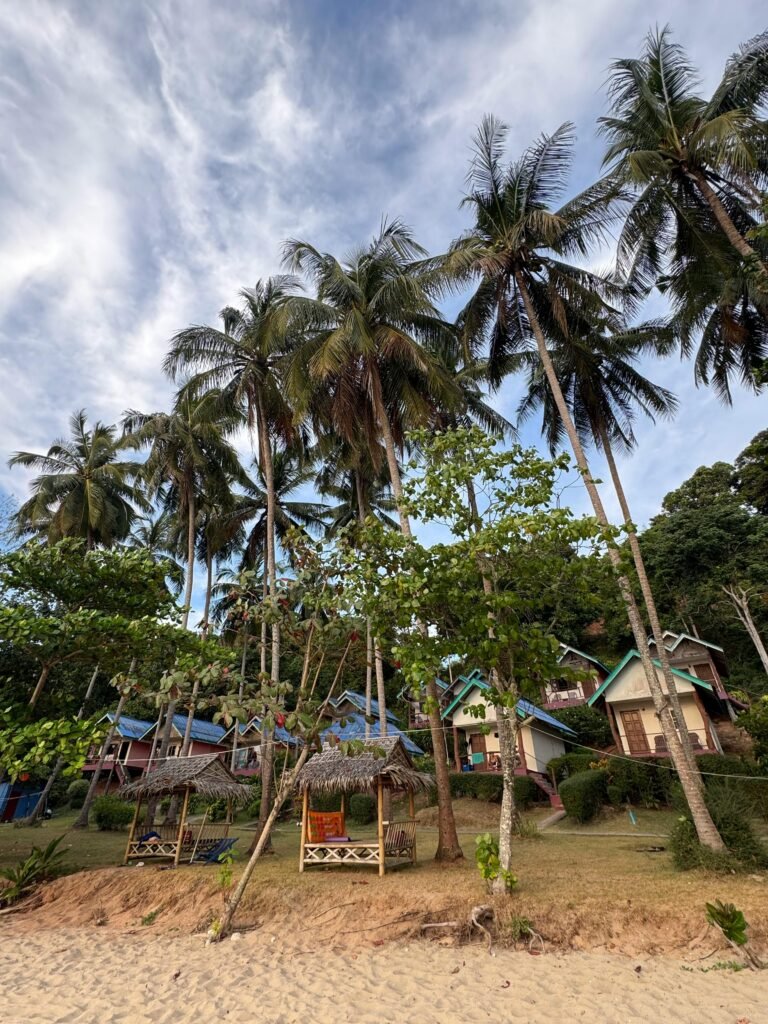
x=526, y=791
x=326, y=802
x=615, y=795
x=111, y=814
x=362, y=809
x=584, y=793
x=591, y=727
x=253, y=807
x=731, y=809
x=77, y=791
x=569, y=764
x=479, y=785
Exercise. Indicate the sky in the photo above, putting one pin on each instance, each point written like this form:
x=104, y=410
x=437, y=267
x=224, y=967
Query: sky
x=156, y=154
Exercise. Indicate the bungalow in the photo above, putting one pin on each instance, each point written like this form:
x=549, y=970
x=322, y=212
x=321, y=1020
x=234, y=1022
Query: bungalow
x=540, y=736
x=414, y=701
x=698, y=658
x=626, y=699
x=351, y=702
x=352, y=727
x=565, y=692
x=247, y=759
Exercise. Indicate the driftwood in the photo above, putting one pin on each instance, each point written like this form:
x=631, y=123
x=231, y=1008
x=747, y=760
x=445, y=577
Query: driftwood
x=477, y=915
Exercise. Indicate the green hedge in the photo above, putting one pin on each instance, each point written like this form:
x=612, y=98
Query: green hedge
x=479, y=785
x=362, y=809
x=77, y=791
x=584, y=793
x=526, y=792
x=326, y=802
x=110, y=814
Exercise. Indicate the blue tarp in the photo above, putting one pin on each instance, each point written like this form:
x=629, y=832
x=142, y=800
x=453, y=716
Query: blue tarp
x=17, y=800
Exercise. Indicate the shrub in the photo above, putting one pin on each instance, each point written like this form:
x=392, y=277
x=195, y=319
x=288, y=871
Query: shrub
x=615, y=795
x=326, y=802
x=111, y=814
x=253, y=807
x=480, y=785
x=591, y=727
x=77, y=791
x=569, y=764
x=730, y=808
x=584, y=793
x=362, y=809
x=526, y=791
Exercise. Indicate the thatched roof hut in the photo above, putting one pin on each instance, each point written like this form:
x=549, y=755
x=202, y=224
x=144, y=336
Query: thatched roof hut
x=383, y=760
x=205, y=774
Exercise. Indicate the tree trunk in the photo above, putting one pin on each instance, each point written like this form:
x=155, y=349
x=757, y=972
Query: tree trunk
x=368, y=677
x=650, y=603
x=240, y=692
x=264, y=595
x=85, y=810
x=170, y=818
x=39, y=685
x=162, y=753
x=448, y=845
x=190, y=558
x=381, y=695
x=208, y=592
x=723, y=218
x=267, y=741
x=705, y=827
x=40, y=805
x=739, y=597
x=509, y=820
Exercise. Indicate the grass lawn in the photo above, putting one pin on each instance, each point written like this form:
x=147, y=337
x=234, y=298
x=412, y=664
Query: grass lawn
x=581, y=890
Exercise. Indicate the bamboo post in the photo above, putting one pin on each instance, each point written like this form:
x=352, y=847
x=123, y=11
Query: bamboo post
x=412, y=813
x=304, y=823
x=343, y=809
x=380, y=805
x=199, y=836
x=132, y=832
x=182, y=825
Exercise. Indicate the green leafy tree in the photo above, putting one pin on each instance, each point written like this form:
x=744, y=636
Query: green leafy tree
x=751, y=478
x=85, y=488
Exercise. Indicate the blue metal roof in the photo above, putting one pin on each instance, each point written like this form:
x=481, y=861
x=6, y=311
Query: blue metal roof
x=129, y=728
x=281, y=735
x=525, y=708
x=354, y=729
x=358, y=700
x=202, y=731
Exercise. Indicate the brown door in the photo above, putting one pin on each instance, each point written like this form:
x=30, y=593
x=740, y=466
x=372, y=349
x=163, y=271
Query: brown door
x=478, y=747
x=637, y=741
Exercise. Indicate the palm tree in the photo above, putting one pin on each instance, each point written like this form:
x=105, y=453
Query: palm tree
x=189, y=457
x=244, y=360
x=366, y=351
x=694, y=162
x=84, y=489
x=158, y=534
x=518, y=248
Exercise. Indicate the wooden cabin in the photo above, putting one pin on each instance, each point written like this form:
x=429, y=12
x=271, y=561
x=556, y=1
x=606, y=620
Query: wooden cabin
x=626, y=699
x=205, y=774
x=540, y=736
x=698, y=658
x=243, y=742
x=383, y=766
x=566, y=691
x=128, y=754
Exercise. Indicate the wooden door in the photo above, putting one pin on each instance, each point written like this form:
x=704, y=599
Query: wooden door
x=634, y=731
x=479, y=750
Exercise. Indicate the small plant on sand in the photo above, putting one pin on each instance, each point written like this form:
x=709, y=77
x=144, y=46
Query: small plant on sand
x=149, y=918
x=224, y=876
x=528, y=829
x=519, y=928
x=40, y=865
x=733, y=925
x=488, y=863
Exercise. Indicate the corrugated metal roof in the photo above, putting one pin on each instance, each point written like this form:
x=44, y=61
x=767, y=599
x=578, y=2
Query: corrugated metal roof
x=354, y=729
x=358, y=700
x=129, y=728
x=202, y=731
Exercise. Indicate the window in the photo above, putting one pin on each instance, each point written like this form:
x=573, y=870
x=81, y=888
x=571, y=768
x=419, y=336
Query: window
x=704, y=671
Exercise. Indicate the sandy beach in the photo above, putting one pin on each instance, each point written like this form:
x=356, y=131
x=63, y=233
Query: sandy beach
x=88, y=976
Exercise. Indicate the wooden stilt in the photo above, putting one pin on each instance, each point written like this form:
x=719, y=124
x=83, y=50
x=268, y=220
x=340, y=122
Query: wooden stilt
x=182, y=826
x=132, y=832
x=412, y=815
x=380, y=805
x=304, y=824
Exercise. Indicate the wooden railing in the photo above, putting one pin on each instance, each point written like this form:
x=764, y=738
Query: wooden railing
x=399, y=838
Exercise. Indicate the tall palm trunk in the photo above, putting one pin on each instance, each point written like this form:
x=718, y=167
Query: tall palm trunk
x=739, y=598
x=649, y=601
x=448, y=845
x=208, y=593
x=40, y=805
x=705, y=827
x=42, y=679
x=381, y=695
x=368, y=677
x=723, y=218
x=190, y=556
x=267, y=736
x=240, y=692
x=85, y=810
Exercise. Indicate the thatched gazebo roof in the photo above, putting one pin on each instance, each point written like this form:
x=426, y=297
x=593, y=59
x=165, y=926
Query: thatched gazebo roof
x=204, y=773
x=384, y=759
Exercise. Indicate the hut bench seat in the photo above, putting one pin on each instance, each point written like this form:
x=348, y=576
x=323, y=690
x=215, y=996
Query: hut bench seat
x=193, y=837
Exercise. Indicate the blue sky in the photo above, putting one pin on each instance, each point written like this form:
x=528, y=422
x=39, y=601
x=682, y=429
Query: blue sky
x=156, y=155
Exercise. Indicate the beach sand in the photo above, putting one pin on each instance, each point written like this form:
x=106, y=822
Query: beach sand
x=94, y=976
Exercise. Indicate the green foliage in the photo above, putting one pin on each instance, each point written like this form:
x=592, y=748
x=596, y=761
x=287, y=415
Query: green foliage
x=326, y=802
x=751, y=473
x=110, y=814
x=591, y=727
x=488, y=863
x=149, y=918
x=31, y=745
x=40, y=865
x=224, y=874
x=526, y=792
x=77, y=792
x=730, y=809
x=479, y=785
x=583, y=794
x=755, y=721
x=519, y=927
x=362, y=809
x=729, y=920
